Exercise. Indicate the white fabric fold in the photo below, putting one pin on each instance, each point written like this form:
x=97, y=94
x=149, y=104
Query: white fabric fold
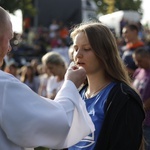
x=81, y=123
x=28, y=120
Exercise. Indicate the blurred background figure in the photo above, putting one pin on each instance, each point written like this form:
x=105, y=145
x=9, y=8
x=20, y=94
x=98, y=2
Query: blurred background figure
x=141, y=81
x=53, y=27
x=132, y=40
x=63, y=49
x=43, y=79
x=34, y=64
x=9, y=58
x=29, y=78
x=12, y=69
x=57, y=66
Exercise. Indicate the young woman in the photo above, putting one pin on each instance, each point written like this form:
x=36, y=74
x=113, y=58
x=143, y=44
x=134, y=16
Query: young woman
x=115, y=108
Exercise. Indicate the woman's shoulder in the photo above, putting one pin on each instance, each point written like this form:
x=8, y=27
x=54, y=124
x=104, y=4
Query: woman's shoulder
x=122, y=88
x=122, y=93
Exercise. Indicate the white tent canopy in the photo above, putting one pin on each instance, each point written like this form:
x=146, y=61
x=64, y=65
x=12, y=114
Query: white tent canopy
x=17, y=22
x=113, y=20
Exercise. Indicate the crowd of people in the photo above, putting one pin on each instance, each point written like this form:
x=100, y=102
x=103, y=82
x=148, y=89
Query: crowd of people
x=116, y=90
x=136, y=56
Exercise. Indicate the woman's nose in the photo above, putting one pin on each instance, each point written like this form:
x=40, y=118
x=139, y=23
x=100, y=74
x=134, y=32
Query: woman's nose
x=79, y=53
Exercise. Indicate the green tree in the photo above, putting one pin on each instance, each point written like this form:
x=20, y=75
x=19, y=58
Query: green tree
x=104, y=6
x=25, y=5
x=128, y=5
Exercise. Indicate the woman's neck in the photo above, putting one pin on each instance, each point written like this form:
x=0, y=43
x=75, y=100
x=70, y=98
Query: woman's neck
x=96, y=84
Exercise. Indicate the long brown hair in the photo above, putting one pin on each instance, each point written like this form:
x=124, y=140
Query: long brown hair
x=104, y=45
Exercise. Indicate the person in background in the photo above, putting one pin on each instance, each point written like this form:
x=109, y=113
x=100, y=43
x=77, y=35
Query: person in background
x=111, y=102
x=63, y=49
x=53, y=27
x=34, y=63
x=28, y=120
x=57, y=66
x=29, y=78
x=132, y=40
x=12, y=69
x=43, y=79
x=141, y=82
x=40, y=69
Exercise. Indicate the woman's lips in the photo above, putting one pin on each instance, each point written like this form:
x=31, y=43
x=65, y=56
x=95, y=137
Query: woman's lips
x=80, y=63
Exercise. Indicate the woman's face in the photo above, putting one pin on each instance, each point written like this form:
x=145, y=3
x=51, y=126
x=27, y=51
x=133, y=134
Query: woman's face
x=84, y=55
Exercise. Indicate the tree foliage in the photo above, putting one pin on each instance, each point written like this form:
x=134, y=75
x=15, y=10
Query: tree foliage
x=105, y=5
x=128, y=5
x=102, y=6
x=25, y=5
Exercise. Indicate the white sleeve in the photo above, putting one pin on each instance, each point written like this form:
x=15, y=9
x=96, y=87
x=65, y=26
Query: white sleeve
x=31, y=121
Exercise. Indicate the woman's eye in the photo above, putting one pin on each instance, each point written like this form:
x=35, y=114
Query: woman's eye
x=87, y=49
